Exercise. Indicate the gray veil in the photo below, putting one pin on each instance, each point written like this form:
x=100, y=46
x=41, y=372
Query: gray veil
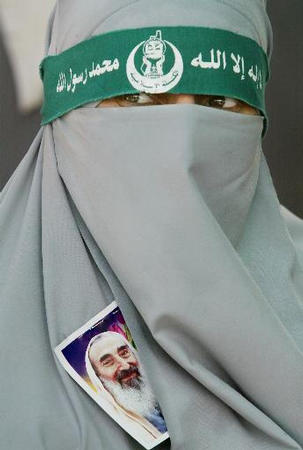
x=171, y=211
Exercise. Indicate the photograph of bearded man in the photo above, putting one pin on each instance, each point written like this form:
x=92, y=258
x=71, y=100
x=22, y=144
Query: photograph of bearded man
x=113, y=367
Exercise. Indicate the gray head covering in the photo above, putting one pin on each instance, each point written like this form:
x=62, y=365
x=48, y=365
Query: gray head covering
x=170, y=210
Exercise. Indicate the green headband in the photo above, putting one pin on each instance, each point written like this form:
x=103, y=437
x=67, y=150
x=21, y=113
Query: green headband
x=179, y=59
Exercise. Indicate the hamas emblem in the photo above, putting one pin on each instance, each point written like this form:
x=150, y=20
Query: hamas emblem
x=154, y=65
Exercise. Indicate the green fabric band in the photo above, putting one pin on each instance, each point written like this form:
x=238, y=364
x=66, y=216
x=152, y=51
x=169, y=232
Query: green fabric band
x=179, y=59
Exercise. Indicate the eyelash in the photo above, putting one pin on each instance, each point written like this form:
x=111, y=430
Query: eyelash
x=130, y=97
x=108, y=363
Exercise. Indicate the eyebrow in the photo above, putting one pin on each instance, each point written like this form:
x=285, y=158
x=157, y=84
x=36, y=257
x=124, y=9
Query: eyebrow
x=108, y=355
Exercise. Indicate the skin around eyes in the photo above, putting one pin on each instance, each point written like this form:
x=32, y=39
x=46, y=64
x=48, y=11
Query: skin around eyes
x=212, y=101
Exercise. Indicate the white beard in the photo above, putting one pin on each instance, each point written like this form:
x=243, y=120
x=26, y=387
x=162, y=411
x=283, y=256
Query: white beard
x=141, y=401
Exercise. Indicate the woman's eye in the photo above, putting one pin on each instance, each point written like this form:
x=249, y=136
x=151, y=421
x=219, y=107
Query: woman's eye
x=138, y=99
x=224, y=103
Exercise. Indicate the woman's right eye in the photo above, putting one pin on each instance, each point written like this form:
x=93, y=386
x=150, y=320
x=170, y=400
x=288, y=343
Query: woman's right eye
x=137, y=99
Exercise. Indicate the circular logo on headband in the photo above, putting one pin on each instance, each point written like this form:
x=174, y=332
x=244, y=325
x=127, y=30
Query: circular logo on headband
x=154, y=65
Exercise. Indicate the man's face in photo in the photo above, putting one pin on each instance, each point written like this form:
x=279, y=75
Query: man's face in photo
x=114, y=361
x=118, y=369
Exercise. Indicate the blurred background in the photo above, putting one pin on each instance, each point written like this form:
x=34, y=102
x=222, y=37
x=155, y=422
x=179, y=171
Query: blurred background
x=22, y=38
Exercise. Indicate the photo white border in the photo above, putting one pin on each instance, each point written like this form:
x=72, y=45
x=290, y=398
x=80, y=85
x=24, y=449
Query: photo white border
x=72, y=372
